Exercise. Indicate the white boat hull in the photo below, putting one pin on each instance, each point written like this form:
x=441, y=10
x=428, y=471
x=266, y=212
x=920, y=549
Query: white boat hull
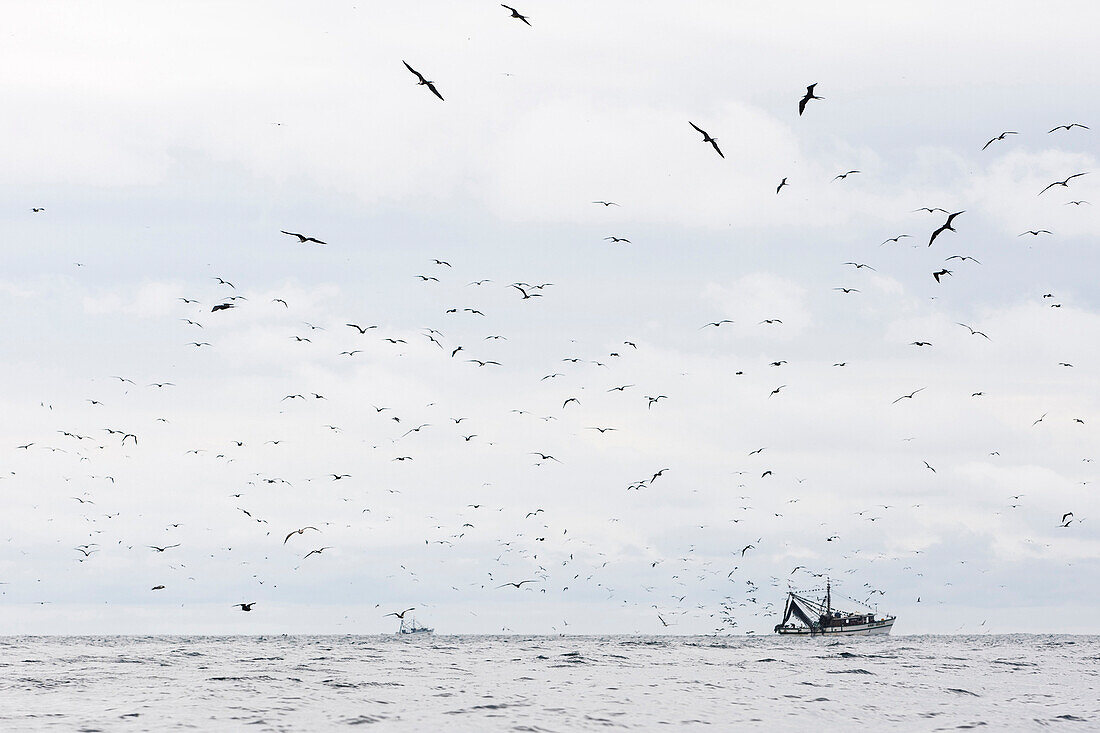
x=876, y=627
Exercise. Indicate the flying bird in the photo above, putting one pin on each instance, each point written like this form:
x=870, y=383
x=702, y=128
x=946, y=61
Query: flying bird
x=244, y=606
x=1068, y=127
x=972, y=331
x=299, y=531
x=707, y=138
x=907, y=396
x=515, y=13
x=947, y=226
x=844, y=175
x=1064, y=182
x=805, y=100
x=780, y=186
x=941, y=273
x=999, y=137
x=422, y=81
x=400, y=615
x=517, y=585
x=318, y=551
x=302, y=238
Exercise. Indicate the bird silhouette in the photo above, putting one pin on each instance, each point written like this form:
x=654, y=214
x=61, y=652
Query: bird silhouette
x=515, y=13
x=707, y=138
x=947, y=226
x=302, y=238
x=805, y=100
x=422, y=81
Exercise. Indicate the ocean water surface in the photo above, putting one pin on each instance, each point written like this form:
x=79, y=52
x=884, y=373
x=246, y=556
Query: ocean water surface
x=509, y=683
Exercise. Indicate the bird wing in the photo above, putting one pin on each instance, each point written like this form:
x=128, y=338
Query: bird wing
x=699, y=129
x=1056, y=183
x=435, y=91
x=414, y=71
x=802, y=104
x=714, y=144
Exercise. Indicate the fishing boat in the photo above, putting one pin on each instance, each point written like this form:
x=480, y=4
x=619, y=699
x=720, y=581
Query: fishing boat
x=819, y=618
x=410, y=627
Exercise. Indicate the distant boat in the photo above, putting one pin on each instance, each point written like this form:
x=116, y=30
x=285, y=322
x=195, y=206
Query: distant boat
x=410, y=627
x=819, y=618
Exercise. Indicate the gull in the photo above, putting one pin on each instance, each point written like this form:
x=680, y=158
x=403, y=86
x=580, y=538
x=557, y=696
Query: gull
x=613, y=240
x=299, y=531
x=606, y=203
x=895, y=239
x=653, y=400
x=780, y=186
x=907, y=396
x=847, y=290
x=187, y=300
x=805, y=100
x=602, y=430
x=302, y=238
x=1039, y=420
x=940, y=274
x=921, y=343
x=845, y=175
x=481, y=363
x=360, y=329
x=517, y=585
x=707, y=138
x=860, y=265
x=225, y=282
x=280, y=300
x=746, y=548
x=244, y=606
x=400, y=615
x=422, y=81
x=318, y=551
x=657, y=475
x=162, y=549
x=222, y=307
x=930, y=210
x=545, y=456
x=515, y=13
x=338, y=476
x=442, y=263
x=1077, y=203
x=716, y=324
x=929, y=467
x=1064, y=182
x=1035, y=232
x=1068, y=127
x=999, y=137
x=193, y=323
x=776, y=390
x=571, y=399
x=972, y=331
x=947, y=225
x=962, y=258
x=620, y=388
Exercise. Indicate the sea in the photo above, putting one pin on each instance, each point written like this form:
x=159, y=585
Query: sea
x=541, y=683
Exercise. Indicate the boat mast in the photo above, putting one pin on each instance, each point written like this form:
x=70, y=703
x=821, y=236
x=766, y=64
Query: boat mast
x=828, y=597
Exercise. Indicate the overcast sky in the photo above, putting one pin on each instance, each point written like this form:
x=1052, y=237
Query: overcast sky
x=170, y=147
